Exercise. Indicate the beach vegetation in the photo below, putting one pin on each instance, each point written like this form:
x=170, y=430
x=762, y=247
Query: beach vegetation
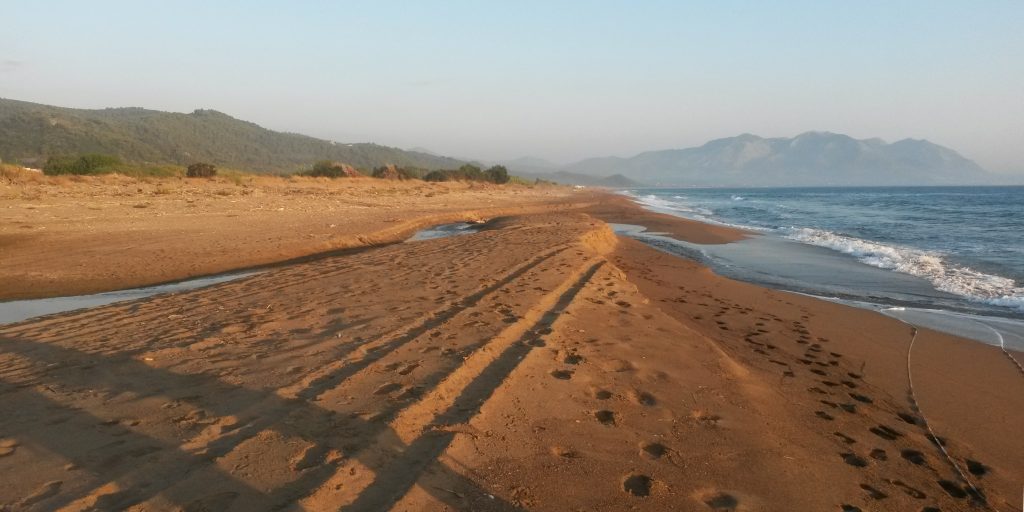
x=394, y=172
x=331, y=169
x=497, y=174
x=201, y=170
x=92, y=163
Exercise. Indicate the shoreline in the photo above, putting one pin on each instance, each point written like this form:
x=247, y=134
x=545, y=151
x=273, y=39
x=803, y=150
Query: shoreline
x=902, y=270
x=542, y=363
x=990, y=326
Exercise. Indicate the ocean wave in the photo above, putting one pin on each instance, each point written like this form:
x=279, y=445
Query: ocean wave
x=738, y=198
x=658, y=202
x=689, y=211
x=944, y=276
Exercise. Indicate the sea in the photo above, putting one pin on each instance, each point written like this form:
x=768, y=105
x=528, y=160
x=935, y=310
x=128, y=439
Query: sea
x=950, y=258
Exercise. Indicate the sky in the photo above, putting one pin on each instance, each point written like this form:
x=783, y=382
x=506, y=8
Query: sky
x=561, y=80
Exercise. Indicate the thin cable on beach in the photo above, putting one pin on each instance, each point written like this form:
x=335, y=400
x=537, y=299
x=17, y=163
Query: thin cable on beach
x=935, y=438
x=1002, y=346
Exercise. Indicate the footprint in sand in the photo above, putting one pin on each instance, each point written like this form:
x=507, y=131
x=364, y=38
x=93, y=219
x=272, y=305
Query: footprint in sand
x=637, y=485
x=913, y=456
x=561, y=374
x=721, y=501
x=861, y=398
x=605, y=417
x=976, y=468
x=910, y=491
x=642, y=398
x=844, y=438
x=873, y=493
x=653, y=450
x=909, y=418
x=854, y=460
x=885, y=432
x=952, y=489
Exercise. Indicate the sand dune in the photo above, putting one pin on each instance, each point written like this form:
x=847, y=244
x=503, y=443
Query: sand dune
x=540, y=364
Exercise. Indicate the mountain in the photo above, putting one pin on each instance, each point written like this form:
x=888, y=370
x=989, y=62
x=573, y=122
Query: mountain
x=572, y=178
x=530, y=164
x=531, y=167
x=809, y=159
x=31, y=133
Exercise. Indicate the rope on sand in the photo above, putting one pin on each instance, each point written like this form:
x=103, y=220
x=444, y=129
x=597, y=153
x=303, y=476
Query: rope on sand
x=1002, y=346
x=975, y=493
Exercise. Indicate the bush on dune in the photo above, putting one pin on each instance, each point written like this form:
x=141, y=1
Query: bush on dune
x=93, y=163
x=393, y=172
x=329, y=169
x=497, y=174
x=201, y=170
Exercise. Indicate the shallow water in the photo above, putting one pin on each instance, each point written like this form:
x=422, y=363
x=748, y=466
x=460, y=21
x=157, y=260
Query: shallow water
x=818, y=272
x=443, y=231
x=20, y=310
x=967, y=243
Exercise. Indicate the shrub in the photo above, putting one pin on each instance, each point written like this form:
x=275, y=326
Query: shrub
x=329, y=169
x=393, y=172
x=497, y=174
x=86, y=164
x=201, y=170
x=437, y=176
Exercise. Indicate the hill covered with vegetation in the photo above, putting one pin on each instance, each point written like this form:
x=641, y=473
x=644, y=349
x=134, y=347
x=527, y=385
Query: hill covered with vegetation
x=31, y=134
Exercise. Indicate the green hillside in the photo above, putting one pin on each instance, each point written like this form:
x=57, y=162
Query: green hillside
x=30, y=133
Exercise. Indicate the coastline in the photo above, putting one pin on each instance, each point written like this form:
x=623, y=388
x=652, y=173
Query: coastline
x=542, y=363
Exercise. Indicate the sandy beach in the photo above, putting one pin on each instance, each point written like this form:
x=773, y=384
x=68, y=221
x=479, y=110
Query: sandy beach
x=542, y=363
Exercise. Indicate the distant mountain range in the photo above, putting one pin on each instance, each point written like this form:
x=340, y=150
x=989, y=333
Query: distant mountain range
x=538, y=168
x=809, y=159
x=30, y=133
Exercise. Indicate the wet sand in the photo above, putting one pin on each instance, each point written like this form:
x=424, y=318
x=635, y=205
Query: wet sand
x=542, y=364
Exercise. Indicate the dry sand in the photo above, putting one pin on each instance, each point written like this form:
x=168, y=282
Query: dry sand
x=541, y=364
x=76, y=235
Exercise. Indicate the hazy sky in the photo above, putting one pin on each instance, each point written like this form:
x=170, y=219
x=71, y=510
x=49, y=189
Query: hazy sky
x=560, y=80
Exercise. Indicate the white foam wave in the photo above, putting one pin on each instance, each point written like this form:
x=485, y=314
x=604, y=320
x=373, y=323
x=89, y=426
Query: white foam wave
x=944, y=276
x=678, y=206
x=738, y=198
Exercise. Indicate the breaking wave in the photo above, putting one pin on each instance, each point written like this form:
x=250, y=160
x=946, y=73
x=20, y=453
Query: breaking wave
x=944, y=275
